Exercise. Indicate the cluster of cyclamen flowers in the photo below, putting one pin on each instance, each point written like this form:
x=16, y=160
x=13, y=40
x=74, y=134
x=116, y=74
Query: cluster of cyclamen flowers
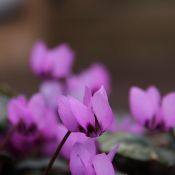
x=78, y=104
x=64, y=103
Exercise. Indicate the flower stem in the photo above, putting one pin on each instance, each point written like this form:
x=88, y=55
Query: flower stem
x=56, y=153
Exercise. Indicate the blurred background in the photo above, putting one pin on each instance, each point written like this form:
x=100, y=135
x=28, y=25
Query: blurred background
x=134, y=39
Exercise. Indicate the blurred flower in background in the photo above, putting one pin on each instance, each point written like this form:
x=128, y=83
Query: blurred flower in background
x=52, y=63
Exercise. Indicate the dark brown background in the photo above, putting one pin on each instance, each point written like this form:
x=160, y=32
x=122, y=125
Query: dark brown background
x=134, y=39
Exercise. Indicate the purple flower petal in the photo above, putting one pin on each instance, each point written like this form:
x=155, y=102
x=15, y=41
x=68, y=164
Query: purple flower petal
x=82, y=113
x=102, y=109
x=16, y=109
x=38, y=55
x=96, y=72
x=155, y=97
x=37, y=106
x=168, y=110
x=141, y=104
x=63, y=58
x=75, y=137
x=103, y=165
x=80, y=161
x=113, y=152
x=90, y=145
x=66, y=115
x=87, y=96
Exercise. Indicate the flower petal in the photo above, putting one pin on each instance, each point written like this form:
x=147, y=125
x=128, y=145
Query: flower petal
x=87, y=96
x=38, y=56
x=113, y=152
x=96, y=76
x=66, y=115
x=37, y=106
x=80, y=161
x=103, y=165
x=168, y=110
x=63, y=58
x=90, y=145
x=16, y=109
x=102, y=109
x=154, y=94
x=83, y=114
x=141, y=105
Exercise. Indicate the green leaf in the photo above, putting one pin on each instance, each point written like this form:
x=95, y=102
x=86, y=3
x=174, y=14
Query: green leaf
x=137, y=147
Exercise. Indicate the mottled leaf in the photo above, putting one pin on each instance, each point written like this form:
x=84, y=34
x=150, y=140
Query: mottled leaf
x=137, y=147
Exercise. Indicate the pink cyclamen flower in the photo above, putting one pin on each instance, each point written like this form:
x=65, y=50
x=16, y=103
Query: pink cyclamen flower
x=20, y=118
x=18, y=112
x=84, y=161
x=150, y=110
x=92, y=117
x=52, y=63
x=32, y=116
x=93, y=77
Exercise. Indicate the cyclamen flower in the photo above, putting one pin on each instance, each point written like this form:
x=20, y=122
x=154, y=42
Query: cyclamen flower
x=93, y=77
x=85, y=161
x=51, y=63
x=150, y=110
x=31, y=117
x=92, y=117
x=18, y=113
x=25, y=128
